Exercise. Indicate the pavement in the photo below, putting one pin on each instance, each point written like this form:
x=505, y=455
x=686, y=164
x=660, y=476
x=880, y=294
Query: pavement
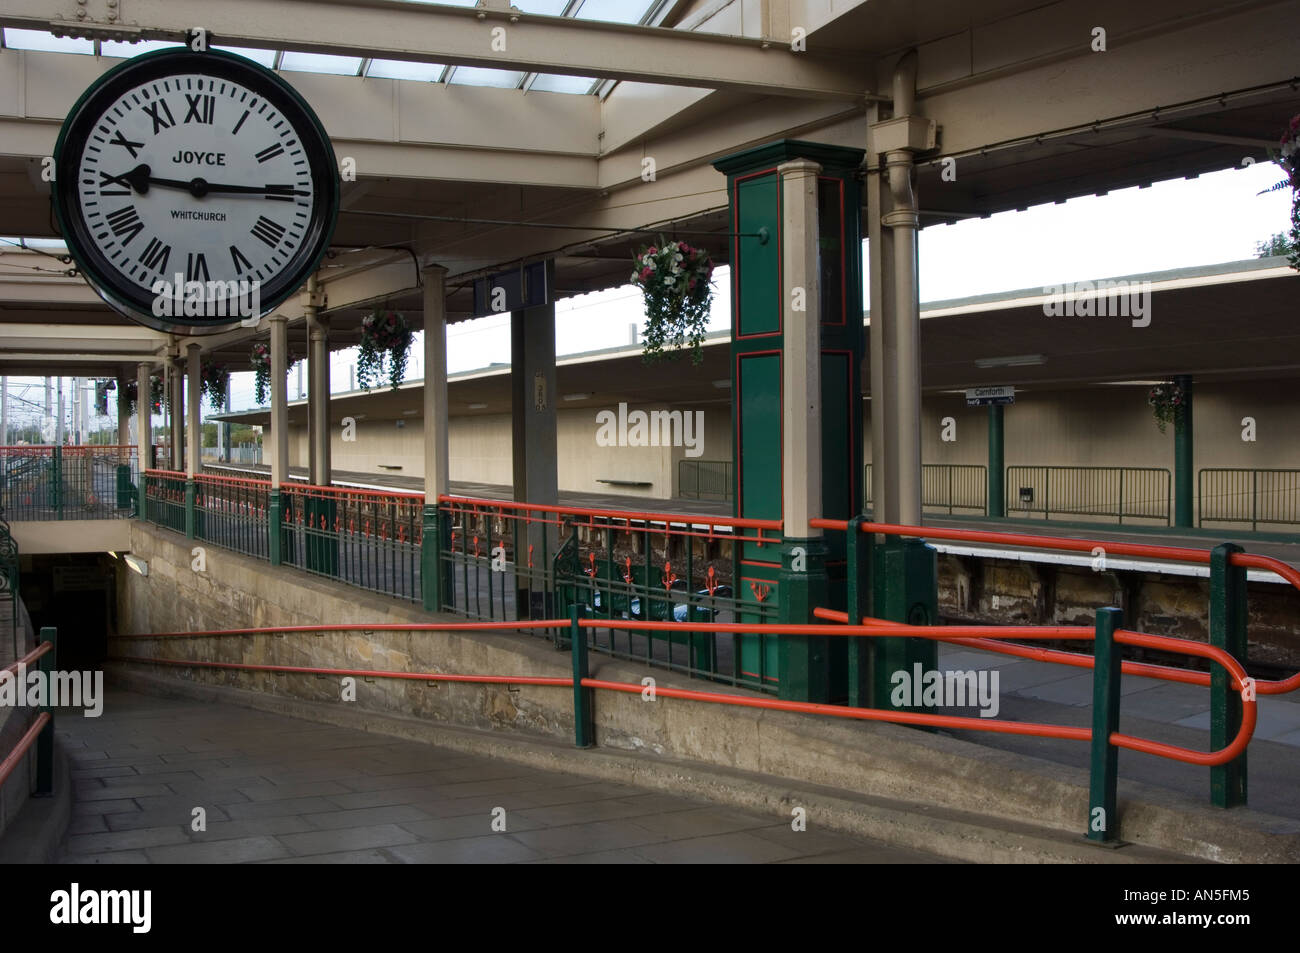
x=275, y=789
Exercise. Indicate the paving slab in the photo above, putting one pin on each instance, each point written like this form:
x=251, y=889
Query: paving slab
x=281, y=790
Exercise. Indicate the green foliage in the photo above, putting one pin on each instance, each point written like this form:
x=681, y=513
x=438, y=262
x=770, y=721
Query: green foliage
x=385, y=340
x=675, y=279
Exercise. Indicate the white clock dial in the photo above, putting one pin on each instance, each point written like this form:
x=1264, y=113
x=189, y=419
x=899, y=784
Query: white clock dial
x=198, y=176
x=194, y=189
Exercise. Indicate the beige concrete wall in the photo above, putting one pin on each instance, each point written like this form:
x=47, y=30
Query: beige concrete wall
x=1094, y=426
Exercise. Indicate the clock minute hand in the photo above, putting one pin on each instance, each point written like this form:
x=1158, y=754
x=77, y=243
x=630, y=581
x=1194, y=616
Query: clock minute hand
x=140, y=178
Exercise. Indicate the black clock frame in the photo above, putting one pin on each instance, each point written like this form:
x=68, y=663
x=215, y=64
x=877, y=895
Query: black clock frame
x=129, y=299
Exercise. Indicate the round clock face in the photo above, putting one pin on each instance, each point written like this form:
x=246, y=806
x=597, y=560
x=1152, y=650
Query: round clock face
x=195, y=190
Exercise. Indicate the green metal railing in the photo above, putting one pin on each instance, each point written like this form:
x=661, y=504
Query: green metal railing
x=1119, y=493
x=233, y=513
x=1251, y=496
x=504, y=561
x=9, y=578
x=947, y=487
x=68, y=483
x=165, y=499
x=704, y=479
x=366, y=538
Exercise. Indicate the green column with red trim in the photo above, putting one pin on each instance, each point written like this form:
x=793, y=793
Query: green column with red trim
x=785, y=580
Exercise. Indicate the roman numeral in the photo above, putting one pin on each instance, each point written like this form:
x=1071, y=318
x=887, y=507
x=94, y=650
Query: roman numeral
x=202, y=107
x=130, y=146
x=158, y=121
x=270, y=152
x=155, y=255
x=241, y=263
x=125, y=221
x=107, y=179
x=268, y=231
x=196, y=268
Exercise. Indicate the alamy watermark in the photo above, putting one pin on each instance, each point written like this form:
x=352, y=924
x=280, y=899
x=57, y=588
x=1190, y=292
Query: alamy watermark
x=656, y=428
x=953, y=689
x=1100, y=299
x=207, y=299
x=34, y=689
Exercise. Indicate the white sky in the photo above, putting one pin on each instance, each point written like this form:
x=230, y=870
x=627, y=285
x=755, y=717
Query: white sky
x=1177, y=224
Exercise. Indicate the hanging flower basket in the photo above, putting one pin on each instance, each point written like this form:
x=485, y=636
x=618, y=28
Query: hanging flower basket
x=261, y=360
x=1167, y=399
x=132, y=389
x=675, y=279
x=216, y=382
x=1289, y=160
x=385, y=340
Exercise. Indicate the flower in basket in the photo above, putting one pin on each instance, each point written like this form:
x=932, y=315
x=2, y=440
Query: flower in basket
x=1167, y=399
x=385, y=340
x=215, y=379
x=675, y=279
x=261, y=361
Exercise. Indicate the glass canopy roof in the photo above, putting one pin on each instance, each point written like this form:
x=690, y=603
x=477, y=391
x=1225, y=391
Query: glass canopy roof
x=644, y=12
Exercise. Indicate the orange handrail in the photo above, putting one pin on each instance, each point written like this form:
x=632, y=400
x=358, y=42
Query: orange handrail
x=875, y=629
x=701, y=520
x=1171, y=553
x=15, y=757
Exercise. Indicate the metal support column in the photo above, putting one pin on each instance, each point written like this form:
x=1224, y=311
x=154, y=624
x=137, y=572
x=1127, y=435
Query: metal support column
x=435, y=579
x=536, y=480
x=1184, y=482
x=997, y=500
x=279, y=433
x=143, y=432
x=193, y=435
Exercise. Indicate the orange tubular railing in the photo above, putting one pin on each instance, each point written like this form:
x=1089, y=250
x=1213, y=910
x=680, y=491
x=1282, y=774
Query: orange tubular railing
x=876, y=629
x=1141, y=550
x=1103, y=785
x=34, y=731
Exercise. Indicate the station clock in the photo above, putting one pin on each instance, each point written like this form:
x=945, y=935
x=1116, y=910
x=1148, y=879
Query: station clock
x=194, y=189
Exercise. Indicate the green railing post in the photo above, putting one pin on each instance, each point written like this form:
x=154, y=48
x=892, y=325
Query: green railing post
x=1227, y=632
x=582, y=714
x=996, y=505
x=275, y=527
x=858, y=594
x=190, y=489
x=45, y=740
x=1103, y=817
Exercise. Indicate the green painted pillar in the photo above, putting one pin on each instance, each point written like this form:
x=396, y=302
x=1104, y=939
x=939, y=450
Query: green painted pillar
x=803, y=659
x=797, y=347
x=997, y=501
x=904, y=577
x=1184, y=482
x=275, y=527
x=435, y=578
x=189, y=508
x=1228, y=632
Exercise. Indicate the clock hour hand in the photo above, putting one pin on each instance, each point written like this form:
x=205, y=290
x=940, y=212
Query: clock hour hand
x=140, y=179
